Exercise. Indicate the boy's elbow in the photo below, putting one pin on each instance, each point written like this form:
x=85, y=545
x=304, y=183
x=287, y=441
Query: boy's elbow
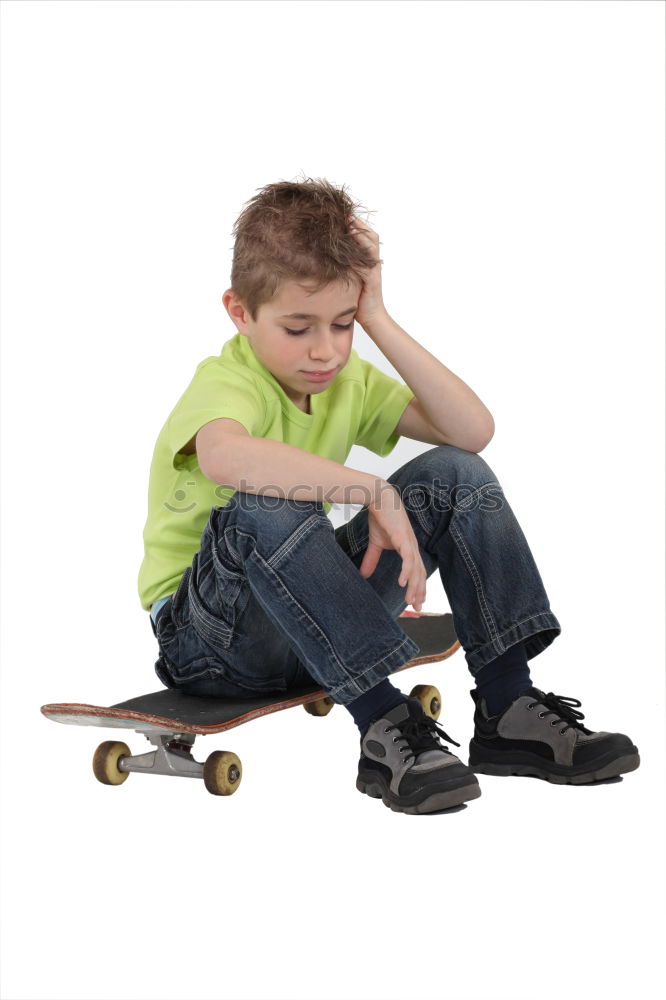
x=485, y=438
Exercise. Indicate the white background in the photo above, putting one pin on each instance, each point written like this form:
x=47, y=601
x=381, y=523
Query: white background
x=512, y=154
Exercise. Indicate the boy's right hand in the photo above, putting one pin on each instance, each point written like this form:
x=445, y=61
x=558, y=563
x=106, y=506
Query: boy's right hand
x=389, y=528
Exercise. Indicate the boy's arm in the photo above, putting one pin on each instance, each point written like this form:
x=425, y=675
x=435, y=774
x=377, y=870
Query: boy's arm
x=228, y=455
x=445, y=407
x=444, y=403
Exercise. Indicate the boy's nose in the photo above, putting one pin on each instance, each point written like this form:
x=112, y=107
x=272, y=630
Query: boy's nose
x=323, y=356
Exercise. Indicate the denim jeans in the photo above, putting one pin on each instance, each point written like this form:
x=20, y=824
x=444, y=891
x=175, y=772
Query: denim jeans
x=274, y=599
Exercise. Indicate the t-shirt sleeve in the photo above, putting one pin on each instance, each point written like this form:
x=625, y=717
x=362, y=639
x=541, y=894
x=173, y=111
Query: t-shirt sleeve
x=384, y=403
x=214, y=392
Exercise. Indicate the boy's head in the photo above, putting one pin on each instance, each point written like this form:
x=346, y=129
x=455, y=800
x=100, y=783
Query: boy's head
x=294, y=253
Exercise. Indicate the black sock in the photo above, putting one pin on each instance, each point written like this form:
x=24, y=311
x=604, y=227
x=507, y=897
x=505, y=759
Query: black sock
x=502, y=680
x=374, y=703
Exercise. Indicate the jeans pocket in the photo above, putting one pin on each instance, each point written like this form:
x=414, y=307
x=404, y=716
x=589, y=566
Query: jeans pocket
x=184, y=657
x=216, y=630
x=217, y=602
x=231, y=586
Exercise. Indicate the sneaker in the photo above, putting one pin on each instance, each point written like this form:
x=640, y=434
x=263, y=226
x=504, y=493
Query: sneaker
x=404, y=764
x=541, y=734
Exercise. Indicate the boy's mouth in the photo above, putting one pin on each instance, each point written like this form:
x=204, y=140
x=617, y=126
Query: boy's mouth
x=319, y=376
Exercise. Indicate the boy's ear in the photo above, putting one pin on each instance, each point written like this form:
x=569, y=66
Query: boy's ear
x=237, y=311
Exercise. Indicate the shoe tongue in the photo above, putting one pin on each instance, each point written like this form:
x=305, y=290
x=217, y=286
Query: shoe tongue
x=399, y=713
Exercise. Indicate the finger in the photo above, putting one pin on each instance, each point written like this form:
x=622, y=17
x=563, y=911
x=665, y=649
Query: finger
x=370, y=560
x=420, y=597
x=420, y=585
x=416, y=593
x=357, y=225
x=421, y=592
x=406, y=573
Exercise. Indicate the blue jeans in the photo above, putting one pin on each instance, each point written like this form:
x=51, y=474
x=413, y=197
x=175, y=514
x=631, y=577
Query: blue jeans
x=274, y=600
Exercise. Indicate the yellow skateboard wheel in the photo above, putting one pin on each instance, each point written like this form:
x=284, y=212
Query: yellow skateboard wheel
x=222, y=772
x=430, y=699
x=320, y=707
x=105, y=762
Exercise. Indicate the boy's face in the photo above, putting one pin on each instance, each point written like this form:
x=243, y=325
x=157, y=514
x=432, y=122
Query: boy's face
x=324, y=344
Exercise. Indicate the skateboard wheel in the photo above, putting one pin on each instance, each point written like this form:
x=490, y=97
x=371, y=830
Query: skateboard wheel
x=320, y=707
x=430, y=699
x=222, y=772
x=105, y=762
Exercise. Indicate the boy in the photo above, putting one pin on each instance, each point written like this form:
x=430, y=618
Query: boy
x=249, y=586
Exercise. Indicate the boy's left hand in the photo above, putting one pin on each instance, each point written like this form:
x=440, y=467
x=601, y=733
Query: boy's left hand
x=371, y=302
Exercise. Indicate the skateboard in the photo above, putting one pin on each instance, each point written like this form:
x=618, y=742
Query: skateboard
x=171, y=720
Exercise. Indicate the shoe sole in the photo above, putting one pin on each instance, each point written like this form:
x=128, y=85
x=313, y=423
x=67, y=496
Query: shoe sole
x=613, y=769
x=440, y=800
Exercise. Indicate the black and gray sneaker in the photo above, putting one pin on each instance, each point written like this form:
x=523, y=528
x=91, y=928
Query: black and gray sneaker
x=542, y=735
x=404, y=764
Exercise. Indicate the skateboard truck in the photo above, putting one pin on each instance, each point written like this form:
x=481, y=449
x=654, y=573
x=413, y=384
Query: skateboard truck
x=172, y=756
x=221, y=772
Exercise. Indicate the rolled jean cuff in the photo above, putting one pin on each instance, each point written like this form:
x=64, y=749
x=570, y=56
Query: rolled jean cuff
x=536, y=634
x=354, y=687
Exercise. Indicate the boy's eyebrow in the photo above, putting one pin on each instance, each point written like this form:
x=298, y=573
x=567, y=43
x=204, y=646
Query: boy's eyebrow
x=313, y=316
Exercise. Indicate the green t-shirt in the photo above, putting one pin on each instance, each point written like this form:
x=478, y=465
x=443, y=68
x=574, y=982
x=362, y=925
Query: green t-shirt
x=362, y=405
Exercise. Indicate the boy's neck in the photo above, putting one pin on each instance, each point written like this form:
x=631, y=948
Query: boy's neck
x=303, y=405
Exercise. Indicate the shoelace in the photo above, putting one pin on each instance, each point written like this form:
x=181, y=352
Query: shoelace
x=561, y=707
x=420, y=735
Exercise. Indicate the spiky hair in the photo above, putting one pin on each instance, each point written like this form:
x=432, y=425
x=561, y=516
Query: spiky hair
x=295, y=231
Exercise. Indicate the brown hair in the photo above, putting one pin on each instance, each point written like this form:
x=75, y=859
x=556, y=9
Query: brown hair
x=295, y=231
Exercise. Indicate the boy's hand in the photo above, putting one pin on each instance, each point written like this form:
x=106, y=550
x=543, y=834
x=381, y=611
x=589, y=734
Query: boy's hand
x=371, y=303
x=389, y=528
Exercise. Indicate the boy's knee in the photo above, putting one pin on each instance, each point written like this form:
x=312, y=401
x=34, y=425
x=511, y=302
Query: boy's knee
x=473, y=468
x=447, y=465
x=277, y=516
x=448, y=478
x=258, y=505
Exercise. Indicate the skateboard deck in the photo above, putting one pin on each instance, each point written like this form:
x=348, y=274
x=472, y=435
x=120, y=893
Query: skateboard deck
x=171, y=720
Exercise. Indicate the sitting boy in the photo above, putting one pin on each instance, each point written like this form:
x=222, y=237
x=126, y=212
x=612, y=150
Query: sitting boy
x=252, y=590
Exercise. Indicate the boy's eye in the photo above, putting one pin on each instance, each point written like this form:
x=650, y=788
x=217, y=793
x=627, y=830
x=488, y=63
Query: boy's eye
x=338, y=326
